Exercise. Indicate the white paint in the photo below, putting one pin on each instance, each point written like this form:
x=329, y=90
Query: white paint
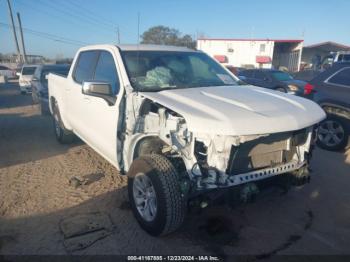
x=239, y=110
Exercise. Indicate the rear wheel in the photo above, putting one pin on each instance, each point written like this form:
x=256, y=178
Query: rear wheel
x=63, y=135
x=333, y=133
x=155, y=195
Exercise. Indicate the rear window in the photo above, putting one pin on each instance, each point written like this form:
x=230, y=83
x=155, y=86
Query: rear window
x=342, y=77
x=4, y=68
x=28, y=70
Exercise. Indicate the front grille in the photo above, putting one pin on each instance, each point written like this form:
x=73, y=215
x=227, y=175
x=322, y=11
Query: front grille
x=264, y=152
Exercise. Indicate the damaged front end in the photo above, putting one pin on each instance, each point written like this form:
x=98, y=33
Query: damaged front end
x=225, y=161
x=210, y=161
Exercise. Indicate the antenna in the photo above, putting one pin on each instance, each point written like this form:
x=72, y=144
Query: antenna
x=138, y=28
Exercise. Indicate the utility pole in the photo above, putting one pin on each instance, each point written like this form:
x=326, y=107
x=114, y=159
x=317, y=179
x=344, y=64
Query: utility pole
x=22, y=38
x=14, y=30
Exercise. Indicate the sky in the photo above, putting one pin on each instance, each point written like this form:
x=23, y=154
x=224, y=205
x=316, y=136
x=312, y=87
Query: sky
x=59, y=27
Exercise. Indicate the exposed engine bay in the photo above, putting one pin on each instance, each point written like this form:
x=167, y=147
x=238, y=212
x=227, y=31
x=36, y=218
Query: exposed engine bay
x=213, y=161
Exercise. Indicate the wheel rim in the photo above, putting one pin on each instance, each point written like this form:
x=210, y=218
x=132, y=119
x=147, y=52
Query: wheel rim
x=331, y=133
x=145, y=197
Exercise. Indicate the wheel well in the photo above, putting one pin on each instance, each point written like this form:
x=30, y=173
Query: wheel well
x=153, y=144
x=52, y=100
x=147, y=146
x=338, y=111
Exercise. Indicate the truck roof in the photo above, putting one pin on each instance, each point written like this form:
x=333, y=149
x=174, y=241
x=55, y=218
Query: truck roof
x=146, y=47
x=140, y=47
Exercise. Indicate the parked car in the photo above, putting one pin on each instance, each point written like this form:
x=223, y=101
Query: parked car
x=234, y=70
x=180, y=127
x=39, y=84
x=7, y=72
x=276, y=80
x=332, y=93
x=25, y=78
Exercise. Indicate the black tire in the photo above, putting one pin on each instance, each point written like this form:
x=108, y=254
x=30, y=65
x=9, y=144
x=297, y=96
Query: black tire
x=339, y=123
x=171, y=203
x=63, y=135
x=35, y=98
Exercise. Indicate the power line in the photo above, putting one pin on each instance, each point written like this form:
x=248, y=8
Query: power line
x=49, y=36
x=89, y=13
x=55, y=16
x=75, y=15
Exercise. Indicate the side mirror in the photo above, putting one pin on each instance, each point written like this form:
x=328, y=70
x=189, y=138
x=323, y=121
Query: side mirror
x=99, y=89
x=18, y=74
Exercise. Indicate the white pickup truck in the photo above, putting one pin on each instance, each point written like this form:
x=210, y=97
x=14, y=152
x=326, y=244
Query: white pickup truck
x=180, y=126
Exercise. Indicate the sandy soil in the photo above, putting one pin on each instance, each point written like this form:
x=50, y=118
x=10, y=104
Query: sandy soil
x=37, y=194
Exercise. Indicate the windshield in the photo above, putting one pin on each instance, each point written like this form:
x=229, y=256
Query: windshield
x=281, y=76
x=28, y=70
x=160, y=70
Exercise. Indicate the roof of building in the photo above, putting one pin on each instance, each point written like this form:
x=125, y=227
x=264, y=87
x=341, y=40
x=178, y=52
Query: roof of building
x=254, y=39
x=329, y=46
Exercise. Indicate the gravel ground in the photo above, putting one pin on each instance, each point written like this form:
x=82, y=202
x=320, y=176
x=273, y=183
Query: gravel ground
x=37, y=194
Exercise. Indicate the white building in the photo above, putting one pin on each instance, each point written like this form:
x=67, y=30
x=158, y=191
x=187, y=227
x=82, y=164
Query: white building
x=257, y=53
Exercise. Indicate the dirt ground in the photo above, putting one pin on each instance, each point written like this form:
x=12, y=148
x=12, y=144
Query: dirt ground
x=37, y=193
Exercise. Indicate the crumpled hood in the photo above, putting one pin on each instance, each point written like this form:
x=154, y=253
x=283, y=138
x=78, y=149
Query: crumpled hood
x=239, y=110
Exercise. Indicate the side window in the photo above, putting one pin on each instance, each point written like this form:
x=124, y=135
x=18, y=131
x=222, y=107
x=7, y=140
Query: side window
x=85, y=66
x=106, y=71
x=341, y=78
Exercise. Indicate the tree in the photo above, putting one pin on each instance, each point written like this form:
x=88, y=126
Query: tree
x=162, y=35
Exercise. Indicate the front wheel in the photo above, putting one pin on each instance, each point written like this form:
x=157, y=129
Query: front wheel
x=155, y=195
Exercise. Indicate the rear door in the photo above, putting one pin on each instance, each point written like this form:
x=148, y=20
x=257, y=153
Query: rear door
x=337, y=89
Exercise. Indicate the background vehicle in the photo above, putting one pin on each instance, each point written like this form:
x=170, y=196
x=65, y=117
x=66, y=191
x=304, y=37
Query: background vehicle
x=332, y=93
x=274, y=79
x=180, y=126
x=39, y=84
x=235, y=70
x=25, y=78
x=7, y=72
